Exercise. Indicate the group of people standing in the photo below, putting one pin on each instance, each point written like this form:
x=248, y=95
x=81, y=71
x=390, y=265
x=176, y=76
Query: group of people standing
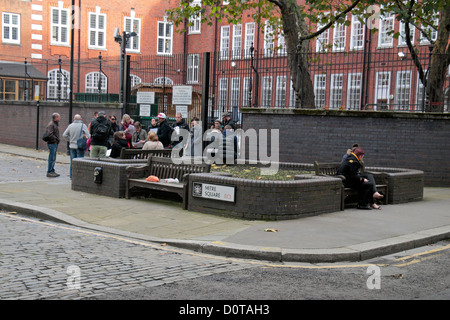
x=103, y=134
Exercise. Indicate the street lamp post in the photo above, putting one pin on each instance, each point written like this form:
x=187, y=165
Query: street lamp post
x=122, y=40
x=59, y=77
x=72, y=41
x=99, y=87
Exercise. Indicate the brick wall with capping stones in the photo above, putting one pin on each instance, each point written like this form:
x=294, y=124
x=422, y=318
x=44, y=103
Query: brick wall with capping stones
x=417, y=141
x=269, y=200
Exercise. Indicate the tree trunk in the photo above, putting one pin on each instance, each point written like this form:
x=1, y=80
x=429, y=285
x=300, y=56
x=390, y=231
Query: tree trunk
x=294, y=27
x=440, y=60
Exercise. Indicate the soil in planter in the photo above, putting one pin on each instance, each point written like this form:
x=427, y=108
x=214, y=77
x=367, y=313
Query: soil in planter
x=254, y=173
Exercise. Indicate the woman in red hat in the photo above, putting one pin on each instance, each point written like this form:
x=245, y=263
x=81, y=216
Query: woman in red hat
x=354, y=179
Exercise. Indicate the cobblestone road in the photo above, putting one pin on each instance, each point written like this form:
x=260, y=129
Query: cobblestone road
x=41, y=260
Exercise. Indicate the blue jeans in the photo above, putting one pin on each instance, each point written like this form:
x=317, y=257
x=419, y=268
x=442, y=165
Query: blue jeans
x=75, y=153
x=52, y=147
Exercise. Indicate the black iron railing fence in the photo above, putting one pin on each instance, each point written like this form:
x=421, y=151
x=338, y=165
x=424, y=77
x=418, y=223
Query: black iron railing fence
x=357, y=80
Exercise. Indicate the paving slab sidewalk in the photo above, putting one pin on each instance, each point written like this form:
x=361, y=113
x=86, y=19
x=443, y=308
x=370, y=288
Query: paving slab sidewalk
x=350, y=235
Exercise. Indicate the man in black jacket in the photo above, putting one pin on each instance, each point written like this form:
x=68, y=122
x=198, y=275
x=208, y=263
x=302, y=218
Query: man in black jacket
x=52, y=131
x=100, y=131
x=226, y=120
x=165, y=130
x=177, y=126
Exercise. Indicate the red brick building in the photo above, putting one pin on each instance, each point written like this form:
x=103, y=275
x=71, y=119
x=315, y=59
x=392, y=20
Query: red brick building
x=351, y=67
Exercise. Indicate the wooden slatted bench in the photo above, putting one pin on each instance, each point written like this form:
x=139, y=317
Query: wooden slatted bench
x=144, y=154
x=163, y=168
x=331, y=169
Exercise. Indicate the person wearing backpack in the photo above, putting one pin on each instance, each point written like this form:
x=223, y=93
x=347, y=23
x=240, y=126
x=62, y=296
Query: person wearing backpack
x=100, y=131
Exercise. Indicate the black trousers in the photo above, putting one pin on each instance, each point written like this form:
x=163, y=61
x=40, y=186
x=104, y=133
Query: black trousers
x=365, y=190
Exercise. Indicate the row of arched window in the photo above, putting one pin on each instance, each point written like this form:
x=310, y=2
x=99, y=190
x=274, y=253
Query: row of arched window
x=58, y=83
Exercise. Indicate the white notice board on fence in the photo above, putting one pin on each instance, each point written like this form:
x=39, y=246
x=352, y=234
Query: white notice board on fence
x=182, y=95
x=144, y=110
x=147, y=97
x=183, y=110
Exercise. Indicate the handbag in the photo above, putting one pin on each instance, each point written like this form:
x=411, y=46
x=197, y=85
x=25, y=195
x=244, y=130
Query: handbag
x=45, y=137
x=81, y=143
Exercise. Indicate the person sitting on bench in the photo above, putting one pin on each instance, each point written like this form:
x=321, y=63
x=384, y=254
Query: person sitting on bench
x=350, y=169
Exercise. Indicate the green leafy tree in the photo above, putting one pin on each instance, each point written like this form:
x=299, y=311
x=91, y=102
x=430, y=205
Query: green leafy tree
x=432, y=19
x=296, y=20
x=299, y=20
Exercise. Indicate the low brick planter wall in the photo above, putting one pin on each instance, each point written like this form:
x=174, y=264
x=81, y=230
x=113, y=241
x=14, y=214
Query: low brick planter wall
x=306, y=195
x=405, y=185
x=269, y=200
x=113, y=177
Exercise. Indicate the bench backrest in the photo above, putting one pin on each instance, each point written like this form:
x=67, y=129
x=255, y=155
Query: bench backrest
x=164, y=168
x=326, y=169
x=144, y=154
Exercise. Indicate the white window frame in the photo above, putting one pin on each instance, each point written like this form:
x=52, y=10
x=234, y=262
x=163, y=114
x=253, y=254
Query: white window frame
x=403, y=90
x=249, y=38
x=163, y=80
x=323, y=40
x=432, y=32
x=97, y=30
x=245, y=91
x=281, y=44
x=193, y=65
x=224, y=42
x=235, y=90
x=91, y=82
x=269, y=37
x=133, y=43
x=420, y=93
x=52, y=83
x=402, y=36
x=195, y=20
x=236, y=51
x=223, y=96
x=354, y=83
x=266, y=91
x=59, y=26
x=11, y=26
x=386, y=40
x=382, y=92
x=280, y=92
x=336, y=90
x=356, y=34
x=135, y=80
x=164, y=42
x=320, y=90
x=339, y=37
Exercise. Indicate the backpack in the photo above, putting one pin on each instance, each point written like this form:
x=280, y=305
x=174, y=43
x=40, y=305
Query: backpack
x=101, y=132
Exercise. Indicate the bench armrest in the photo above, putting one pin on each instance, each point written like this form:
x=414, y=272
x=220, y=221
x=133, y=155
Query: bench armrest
x=136, y=171
x=380, y=177
x=185, y=178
